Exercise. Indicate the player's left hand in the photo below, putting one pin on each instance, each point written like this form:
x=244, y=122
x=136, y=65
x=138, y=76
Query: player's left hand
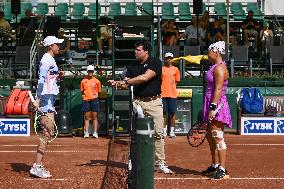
x=211, y=115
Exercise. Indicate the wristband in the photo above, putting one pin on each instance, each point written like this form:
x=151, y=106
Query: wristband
x=212, y=106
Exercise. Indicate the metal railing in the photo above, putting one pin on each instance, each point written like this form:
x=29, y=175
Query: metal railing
x=34, y=48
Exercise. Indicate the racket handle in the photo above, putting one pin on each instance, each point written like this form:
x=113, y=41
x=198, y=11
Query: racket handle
x=31, y=96
x=218, y=108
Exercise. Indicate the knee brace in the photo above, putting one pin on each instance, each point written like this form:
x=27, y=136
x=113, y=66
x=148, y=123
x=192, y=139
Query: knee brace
x=219, y=134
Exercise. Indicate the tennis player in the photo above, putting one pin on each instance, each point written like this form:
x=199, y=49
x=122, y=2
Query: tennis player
x=47, y=89
x=216, y=87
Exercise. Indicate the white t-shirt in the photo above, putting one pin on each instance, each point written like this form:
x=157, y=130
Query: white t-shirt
x=48, y=72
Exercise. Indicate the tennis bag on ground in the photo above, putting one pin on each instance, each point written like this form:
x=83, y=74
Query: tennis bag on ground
x=251, y=101
x=18, y=102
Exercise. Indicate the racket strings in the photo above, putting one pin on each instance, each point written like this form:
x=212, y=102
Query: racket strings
x=46, y=129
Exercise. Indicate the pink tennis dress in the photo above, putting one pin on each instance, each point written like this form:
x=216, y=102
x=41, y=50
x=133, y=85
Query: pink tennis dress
x=224, y=114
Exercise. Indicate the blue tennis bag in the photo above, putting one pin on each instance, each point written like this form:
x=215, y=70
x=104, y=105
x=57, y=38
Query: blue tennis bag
x=251, y=101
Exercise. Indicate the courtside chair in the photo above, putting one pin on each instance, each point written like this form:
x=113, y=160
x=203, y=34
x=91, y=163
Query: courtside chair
x=240, y=59
x=148, y=6
x=92, y=11
x=114, y=9
x=168, y=11
x=131, y=9
x=41, y=9
x=276, y=57
x=184, y=13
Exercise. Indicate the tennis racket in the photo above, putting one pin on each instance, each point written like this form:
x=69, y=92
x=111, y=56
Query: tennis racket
x=198, y=131
x=44, y=126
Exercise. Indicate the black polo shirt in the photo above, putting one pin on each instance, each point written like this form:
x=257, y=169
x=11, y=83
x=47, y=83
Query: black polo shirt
x=153, y=86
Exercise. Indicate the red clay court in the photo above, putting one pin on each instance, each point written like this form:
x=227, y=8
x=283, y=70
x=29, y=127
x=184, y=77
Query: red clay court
x=253, y=162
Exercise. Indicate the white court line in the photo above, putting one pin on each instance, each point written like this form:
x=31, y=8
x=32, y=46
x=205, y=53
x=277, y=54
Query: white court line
x=42, y=179
x=26, y=145
x=257, y=144
x=204, y=178
x=51, y=151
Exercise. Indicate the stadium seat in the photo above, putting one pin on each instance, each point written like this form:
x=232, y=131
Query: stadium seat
x=191, y=50
x=77, y=15
x=114, y=9
x=184, y=12
x=240, y=59
x=79, y=7
x=62, y=14
x=172, y=49
x=7, y=12
x=61, y=7
x=168, y=11
x=252, y=6
x=239, y=15
x=24, y=7
x=148, y=6
x=131, y=9
x=41, y=8
x=92, y=11
x=219, y=7
x=236, y=7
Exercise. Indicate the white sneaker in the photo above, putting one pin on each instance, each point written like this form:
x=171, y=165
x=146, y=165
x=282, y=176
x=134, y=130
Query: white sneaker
x=95, y=135
x=86, y=135
x=163, y=168
x=172, y=134
x=39, y=171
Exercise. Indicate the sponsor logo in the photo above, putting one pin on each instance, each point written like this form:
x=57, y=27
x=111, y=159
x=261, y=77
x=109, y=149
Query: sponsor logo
x=259, y=126
x=14, y=127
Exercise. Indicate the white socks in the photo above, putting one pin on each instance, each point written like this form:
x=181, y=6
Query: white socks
x=172, y=129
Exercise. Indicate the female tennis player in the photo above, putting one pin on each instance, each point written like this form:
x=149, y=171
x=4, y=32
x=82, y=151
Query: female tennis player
x=47, y=89
x=216, y=87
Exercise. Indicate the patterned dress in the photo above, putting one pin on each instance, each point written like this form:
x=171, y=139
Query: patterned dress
x=224, y=114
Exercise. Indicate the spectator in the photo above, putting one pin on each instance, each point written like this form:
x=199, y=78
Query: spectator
x=64, y=47
x=90, y=88
x=191, y=34
x=170, y=78
x=250, y=27
x=170, y=33
x=5, y=28
x=215, y=33
x=105, y=35
x=266, y=36
x=26, y=29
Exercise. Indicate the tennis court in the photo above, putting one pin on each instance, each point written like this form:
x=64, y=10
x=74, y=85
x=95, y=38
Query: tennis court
x=252, y=162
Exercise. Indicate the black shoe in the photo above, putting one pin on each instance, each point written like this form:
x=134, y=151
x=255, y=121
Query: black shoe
x=220, y=175
x=209, y=171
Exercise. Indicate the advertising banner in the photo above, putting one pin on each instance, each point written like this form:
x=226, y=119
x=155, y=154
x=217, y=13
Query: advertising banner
x=262, y=125
x=14, y=127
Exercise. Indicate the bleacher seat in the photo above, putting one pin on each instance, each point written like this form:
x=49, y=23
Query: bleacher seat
x=168, y=11
x=147, y=6
x=257, y=13
x=276, y=57
x=92, y=11
x=184, y=11
x=130, y=9
x=41, y=8
x=78, y=11
x=240, y=59
x=114, y=9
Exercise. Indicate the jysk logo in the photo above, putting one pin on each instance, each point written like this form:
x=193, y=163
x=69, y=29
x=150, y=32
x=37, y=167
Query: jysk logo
x=14, y=127
x=280, y=126
x=259, y=126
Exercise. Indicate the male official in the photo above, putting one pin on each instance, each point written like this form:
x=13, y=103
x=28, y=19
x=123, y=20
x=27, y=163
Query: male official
x=145, y=75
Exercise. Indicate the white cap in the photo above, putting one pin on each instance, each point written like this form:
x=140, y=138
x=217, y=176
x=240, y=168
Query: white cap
x=90, y=68
x=50, y=40
x=169, y=54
